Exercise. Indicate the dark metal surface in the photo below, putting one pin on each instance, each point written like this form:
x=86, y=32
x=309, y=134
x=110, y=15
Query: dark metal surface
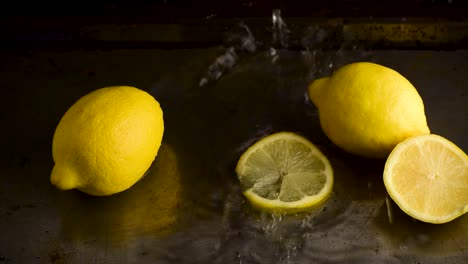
x=67, y=33
x=189, y=208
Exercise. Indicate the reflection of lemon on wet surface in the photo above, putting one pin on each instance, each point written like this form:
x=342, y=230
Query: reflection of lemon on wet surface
x=153, y=205
x=285, y=173
x=427, y=177
x=367, y=109
x=107, y=140
x=150, y=208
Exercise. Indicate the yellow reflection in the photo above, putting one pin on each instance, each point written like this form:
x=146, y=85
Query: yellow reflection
x=150, y=207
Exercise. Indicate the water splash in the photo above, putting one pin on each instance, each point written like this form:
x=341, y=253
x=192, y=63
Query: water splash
x=270, y=225
x=239, y=40
x=322, y=37
x=222, y=64
x=280, y=30
x=273, y=54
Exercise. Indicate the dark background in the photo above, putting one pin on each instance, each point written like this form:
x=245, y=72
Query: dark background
x=173, y=24
x=179, y=9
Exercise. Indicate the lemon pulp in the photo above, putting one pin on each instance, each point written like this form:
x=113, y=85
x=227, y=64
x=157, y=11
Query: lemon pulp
x=427, y=177
x=286, y=173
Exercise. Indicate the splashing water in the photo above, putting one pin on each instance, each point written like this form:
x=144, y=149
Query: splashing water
x=280, y=30
x=274, y=55
x=222, y=64
x=239, y=40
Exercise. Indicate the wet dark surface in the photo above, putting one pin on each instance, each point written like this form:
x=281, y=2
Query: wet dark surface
x=189, y=208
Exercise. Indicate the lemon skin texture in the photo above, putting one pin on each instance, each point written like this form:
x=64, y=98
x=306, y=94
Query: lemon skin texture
x=107, y=140
x=367, y=109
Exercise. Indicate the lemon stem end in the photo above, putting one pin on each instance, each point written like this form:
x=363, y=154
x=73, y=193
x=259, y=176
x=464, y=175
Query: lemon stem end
x=315, y=89
x=62, y=178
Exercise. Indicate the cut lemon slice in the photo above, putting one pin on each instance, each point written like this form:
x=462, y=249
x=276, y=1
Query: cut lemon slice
x=427, y=177
x=284, y=173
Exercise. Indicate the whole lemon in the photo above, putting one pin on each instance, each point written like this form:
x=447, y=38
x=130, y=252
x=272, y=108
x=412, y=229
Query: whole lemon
x=367, y=109
x=107, y=140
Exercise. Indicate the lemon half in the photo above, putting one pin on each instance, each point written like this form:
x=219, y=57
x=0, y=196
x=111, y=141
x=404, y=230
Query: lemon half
x=427, y=177
x=285, y=173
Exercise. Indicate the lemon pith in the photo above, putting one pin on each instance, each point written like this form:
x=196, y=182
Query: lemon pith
x=285, y=173
x=427, y=177
x=107, y=140
x=367, y=109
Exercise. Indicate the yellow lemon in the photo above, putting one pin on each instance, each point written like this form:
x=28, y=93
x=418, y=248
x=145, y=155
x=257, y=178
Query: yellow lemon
x=367, y=109
x=285, y=173
x=107, y=140
x=427, y=177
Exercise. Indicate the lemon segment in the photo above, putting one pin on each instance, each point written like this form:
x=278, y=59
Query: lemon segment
x=285, y=173
x=427, y=177
x=107, y=140
x=367, y=109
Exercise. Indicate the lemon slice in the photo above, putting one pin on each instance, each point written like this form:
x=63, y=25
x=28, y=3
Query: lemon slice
x=427, y=177
x=284, y=173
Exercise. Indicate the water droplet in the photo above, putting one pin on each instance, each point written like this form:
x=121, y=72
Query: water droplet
x=274, y=55
x=272, y=52
x=389, y=209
